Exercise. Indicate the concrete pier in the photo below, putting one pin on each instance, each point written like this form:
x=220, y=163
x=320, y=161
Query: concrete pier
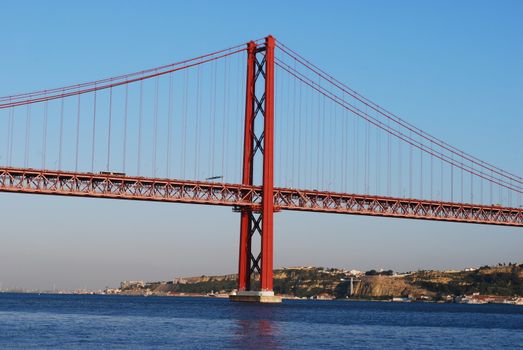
x=256, y=297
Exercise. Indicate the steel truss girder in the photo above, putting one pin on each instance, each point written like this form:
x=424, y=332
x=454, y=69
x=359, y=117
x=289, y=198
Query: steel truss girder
x=20, y=180
x=124, y=187
x=330, y=202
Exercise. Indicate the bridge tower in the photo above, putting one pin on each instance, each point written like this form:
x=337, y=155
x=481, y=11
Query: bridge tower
x=258, y=154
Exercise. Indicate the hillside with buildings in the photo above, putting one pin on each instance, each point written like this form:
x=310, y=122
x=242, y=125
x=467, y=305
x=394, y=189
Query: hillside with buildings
x=485, y=284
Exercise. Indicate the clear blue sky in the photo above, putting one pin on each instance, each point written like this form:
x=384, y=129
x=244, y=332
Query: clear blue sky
x=454, y=69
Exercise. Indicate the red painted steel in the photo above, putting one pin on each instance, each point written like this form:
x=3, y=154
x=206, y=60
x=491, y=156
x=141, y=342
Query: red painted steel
x=257, y=204
x=268, y=170
x=34, y=181
x=126, y=187
x=344, y=203
x=259, y=104
x=244, y=264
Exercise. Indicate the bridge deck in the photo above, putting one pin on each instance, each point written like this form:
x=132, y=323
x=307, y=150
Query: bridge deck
x=49, y=182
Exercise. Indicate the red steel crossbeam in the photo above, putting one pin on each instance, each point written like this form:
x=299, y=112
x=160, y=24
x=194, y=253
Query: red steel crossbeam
x=19, y=180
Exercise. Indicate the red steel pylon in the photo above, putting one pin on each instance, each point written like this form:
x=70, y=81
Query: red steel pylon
x=258, y=141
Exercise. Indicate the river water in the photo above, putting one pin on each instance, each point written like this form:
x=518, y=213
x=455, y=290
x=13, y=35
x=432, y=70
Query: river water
x=30, y=321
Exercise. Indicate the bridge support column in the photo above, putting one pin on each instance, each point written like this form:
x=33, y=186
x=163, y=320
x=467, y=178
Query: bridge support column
x=258, y=143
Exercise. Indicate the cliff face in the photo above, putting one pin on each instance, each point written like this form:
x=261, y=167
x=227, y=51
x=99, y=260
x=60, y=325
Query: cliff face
x=498, y=280
x=387, y=286
x=311, y=282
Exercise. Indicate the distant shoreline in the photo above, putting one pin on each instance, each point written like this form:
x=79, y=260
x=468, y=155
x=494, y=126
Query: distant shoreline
x=70, y=293
x=500, y=284
x=226, y=297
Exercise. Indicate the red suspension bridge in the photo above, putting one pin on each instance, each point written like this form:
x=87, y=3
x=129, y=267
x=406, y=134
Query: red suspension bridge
x=256, y=127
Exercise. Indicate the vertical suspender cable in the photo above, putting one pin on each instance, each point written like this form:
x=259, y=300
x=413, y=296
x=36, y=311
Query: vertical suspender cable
x=301, y=122
x=155, y=125
x=331, y=175
x=108, y=166
x=169, y=126
x=140, y=118
x=288, y=145
x=212, y=117
x=197, y=128
x=481, y=189
x=355, y=149
x=344, y=155
x=354, y=155
x=378, y=156
x=462, y=180
x=410, y=167
x=344, y=151
x=400, y=168
x=431, y=172
x=8, y=136
x=441, y=179
x=61, y=133
x=500, y=194
x=389, y=162
x=94, y=131
x=367, y=149
x=451, y=181
x=125, y=128
x=240, y=104
x=44, y=135
x=11, y=136
x=343, y=148
x=77, y=133
x=323, y=148
x=278, y=119
x=346, y=146
x=27, y=135
x=293, y=132
x=225, y=118
x=311, y=138
x=184, y=129
x=214, y=107
x=491, y=192
x=310, y=142
x=472, y=186
x=318, y=144
x=421, y=172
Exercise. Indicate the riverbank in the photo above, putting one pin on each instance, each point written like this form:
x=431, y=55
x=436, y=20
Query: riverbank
x=501, y=284
x=487, y=284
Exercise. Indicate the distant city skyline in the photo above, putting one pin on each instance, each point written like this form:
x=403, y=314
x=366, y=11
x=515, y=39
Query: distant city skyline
x=436, y=64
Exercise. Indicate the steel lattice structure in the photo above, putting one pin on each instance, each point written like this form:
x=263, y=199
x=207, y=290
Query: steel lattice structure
x=248, y=197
